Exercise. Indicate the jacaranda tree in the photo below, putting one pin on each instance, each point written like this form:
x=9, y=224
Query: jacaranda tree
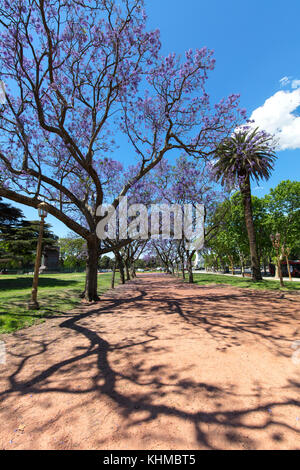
x=191, y=182
x=76, y=72
x=249, y=153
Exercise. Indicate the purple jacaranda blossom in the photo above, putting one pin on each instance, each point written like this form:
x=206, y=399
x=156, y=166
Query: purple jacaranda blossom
x=79, y=73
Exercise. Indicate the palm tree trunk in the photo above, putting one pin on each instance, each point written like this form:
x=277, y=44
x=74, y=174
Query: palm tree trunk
x=247, y=203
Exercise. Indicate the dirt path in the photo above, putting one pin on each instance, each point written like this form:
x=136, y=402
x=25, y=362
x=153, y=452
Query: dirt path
x=157, y=365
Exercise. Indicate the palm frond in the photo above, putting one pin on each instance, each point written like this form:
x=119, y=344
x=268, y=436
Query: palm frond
x=247, y=153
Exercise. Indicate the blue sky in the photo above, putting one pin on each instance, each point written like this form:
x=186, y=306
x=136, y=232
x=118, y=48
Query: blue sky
x=256, y=45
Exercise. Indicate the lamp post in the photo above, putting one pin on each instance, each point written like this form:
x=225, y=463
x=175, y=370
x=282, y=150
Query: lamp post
x=33, y=303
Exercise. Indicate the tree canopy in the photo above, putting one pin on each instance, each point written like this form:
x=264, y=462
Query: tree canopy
x=77, y=74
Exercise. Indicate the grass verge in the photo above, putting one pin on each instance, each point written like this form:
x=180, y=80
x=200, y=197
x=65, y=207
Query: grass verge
x=204, y=279
x=57, y=294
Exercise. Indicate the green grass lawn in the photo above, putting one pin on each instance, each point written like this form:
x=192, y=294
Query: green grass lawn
x=204, y=279
x=57, y=294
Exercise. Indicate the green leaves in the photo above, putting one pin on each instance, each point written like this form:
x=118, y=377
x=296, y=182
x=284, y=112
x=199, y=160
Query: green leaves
x=283, y=212
x=278, y=212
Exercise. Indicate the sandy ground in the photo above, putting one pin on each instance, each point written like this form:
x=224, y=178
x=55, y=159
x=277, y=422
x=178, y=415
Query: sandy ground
x=158, y=364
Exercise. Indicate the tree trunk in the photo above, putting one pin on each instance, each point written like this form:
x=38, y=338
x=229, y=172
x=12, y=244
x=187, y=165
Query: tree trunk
x=280, y=271
x=90, y=292
x=183, y=268
x=168, y=269
x=132, y=271
x=190, y=268
x=121, y=267
x=113, y=277
x=231, y=265
x=288, y=268
x=247, y=203
x=127, y=271
x=242, y=265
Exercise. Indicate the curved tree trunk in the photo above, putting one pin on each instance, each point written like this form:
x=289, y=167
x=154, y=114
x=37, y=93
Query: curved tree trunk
x=91, y=280
x=247, y=203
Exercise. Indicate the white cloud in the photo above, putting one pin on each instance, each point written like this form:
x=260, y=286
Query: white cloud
x=295, y=84
x=284, y=81
x=276, y=116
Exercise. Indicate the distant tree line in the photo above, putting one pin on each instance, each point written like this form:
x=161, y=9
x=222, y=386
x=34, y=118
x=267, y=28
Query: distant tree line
x=276, y=213
x=18, y=238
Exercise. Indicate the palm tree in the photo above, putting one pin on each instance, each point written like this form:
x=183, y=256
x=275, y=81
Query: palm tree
x=246, y=154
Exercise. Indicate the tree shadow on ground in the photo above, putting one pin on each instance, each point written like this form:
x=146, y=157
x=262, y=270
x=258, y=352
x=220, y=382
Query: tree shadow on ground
x=225, y=316
x=153, y=386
